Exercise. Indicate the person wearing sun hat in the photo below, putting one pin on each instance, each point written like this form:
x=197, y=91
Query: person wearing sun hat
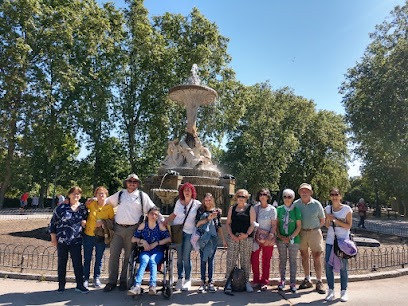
x=128, y=203
x=313, y=218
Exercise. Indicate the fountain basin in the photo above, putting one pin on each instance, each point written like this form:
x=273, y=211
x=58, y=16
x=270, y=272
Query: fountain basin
x=197, y=94
x=166, y=196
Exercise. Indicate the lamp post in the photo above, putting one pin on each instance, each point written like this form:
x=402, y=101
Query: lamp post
x=377, y=204
x=55, y=187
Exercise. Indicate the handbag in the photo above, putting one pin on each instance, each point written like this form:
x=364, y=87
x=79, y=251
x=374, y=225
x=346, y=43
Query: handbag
x=177, y=229
x=337, y=249
x=262, y=236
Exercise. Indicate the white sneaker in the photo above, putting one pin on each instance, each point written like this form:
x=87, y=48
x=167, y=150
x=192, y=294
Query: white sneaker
x=152, y=290
x=186, y=285
x=343, y=296
x=330, y=295
x=97, y=283
x=86, y=284
x=134, y=290
x=179, y=284
x=248, y=287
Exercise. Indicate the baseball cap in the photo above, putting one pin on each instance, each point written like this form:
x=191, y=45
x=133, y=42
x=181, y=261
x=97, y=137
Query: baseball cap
x=305, y=186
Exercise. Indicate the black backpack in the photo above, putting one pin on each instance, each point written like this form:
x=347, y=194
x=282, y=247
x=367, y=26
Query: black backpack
x=236, y=281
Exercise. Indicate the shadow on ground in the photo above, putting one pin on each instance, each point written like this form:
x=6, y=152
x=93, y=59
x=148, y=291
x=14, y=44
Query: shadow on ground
x=38, y=233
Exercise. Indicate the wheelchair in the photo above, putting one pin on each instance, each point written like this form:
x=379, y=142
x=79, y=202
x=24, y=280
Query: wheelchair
x=165, y=267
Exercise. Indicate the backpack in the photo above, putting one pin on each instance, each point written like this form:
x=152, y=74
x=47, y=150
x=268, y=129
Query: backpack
x=236, y=280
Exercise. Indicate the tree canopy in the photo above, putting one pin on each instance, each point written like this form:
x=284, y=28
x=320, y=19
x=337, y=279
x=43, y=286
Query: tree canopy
x=376, y=102
x=80, y=75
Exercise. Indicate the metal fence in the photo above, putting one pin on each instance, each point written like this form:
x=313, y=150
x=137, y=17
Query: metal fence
x=43, y=261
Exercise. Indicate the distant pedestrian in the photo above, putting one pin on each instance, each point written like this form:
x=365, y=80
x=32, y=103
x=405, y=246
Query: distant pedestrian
x=61, y=199
x=338, y=222
x=362, y=212
x=34, y=202
x=23, y=200
x=66, y=227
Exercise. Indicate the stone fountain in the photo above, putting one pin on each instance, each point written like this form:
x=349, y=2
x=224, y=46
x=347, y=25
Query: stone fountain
x=188, y=160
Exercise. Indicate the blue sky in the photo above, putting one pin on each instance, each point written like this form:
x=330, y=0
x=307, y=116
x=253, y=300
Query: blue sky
x=307, y=45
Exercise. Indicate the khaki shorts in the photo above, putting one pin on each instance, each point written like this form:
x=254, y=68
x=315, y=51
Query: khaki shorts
x=312, y=239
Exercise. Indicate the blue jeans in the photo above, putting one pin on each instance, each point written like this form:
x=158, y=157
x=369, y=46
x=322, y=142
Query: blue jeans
x=90, y=243
x=210, y=267
x=75, y=251
x=330, y=273
x=184, y=258
x=151, y=258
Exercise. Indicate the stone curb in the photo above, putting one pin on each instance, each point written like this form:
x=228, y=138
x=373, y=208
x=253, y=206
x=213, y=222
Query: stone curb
x=196, y=282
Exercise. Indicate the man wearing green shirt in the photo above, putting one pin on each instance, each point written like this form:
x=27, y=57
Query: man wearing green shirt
x=311, y=235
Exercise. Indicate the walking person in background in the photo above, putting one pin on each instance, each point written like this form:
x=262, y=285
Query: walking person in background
x=311, y=235
x=131, y=205
x=265, y=237
x=60, y=199
x=210, y=218
x=362, y=212
x=65, y=228
x=153, y=236
x=338, y=222
x=185, y=211
x=240, y=227
x=24, y=200
x=289, y=226
x=34, y=202
x=98, y=211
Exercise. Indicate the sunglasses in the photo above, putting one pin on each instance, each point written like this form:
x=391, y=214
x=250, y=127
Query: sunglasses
x=334, y=194
x=133, y=182
x=263, y=194
x=287, y=197
x=241, y=197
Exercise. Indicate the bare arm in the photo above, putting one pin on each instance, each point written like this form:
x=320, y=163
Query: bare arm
x=228, y=224
x=169, y=219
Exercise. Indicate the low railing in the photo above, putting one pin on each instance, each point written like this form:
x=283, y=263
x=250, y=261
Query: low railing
x=43, y=261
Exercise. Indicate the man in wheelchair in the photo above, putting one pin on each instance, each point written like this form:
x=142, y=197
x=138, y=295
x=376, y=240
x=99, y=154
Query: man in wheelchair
x=152, y=237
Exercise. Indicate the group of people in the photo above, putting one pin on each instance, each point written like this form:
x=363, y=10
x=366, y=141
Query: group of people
x=252, y=231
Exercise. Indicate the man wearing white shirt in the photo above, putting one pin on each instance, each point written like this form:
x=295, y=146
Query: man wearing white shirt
x=128, y=203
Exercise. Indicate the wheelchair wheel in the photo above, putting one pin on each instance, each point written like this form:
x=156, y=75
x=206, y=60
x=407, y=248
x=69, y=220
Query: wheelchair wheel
x=167, y=291
x=131, y=269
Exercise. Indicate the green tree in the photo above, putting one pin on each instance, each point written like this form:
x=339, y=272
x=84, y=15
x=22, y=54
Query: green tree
x=160, y=55
x=97, y=50
x=282, y=142
x=16, y=22
x=376, y=102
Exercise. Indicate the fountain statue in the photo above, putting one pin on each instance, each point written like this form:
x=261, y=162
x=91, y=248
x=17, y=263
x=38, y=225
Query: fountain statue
x=187, y=159
x=189, y=152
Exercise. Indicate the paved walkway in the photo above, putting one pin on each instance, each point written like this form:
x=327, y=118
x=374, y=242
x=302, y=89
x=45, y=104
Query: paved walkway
x=371, y=292
x=389, y=288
